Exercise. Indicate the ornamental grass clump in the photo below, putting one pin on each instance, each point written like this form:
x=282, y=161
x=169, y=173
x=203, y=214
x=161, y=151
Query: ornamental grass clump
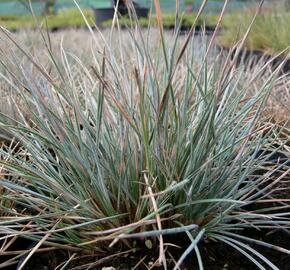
x=157, y=136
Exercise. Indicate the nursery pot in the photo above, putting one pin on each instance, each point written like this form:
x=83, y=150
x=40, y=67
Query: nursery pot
x=104, y=14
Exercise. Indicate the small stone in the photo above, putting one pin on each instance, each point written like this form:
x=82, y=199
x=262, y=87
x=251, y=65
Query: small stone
x=148, y=244
x=226, y=266
x=109, y=268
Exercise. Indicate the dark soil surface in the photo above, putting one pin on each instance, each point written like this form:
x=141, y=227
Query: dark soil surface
x=216, y=256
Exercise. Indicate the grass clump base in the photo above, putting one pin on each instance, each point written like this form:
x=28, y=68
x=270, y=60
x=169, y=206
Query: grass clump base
x=157, y=136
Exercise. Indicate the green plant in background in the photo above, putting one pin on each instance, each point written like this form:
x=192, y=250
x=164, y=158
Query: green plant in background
x=270, y=32
x=63, y=19
x=154, y=137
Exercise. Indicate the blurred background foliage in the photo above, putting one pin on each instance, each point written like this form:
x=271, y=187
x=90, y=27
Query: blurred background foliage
x=269, y=34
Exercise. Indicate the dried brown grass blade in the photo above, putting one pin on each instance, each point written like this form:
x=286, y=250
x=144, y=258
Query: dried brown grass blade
x=162, y=258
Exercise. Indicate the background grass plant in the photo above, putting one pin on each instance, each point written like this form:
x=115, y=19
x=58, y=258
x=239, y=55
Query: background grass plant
x=269, y=33
x=70, y=18
x=153, y=136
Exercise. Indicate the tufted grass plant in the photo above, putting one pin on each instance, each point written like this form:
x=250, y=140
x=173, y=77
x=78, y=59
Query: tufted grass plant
x=156, y=136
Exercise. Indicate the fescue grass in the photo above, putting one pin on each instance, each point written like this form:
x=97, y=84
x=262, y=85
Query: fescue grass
x=153, y=136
